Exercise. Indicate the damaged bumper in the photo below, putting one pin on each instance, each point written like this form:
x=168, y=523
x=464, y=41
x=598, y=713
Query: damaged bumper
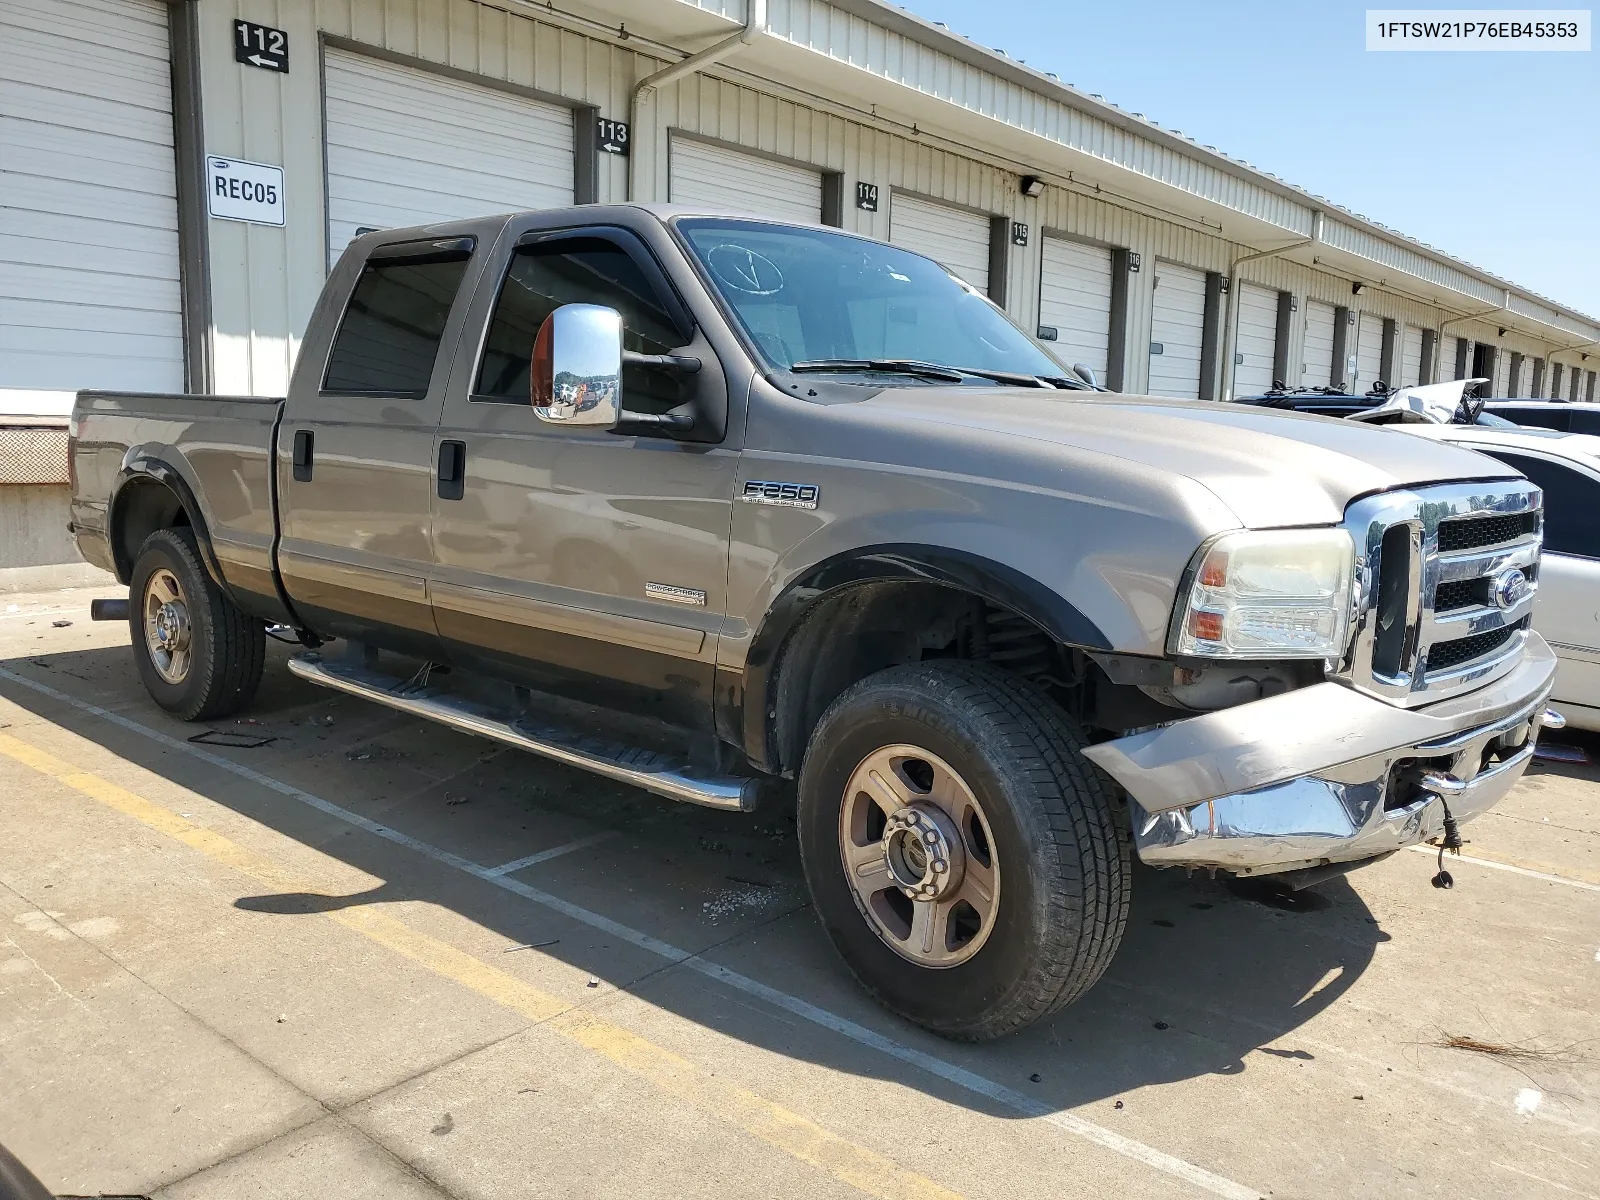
x=1324, y=774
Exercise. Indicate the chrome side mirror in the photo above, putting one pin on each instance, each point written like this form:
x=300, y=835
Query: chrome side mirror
x=1086, y=373
x=575, y=377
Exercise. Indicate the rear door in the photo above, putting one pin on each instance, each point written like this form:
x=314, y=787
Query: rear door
x=355, y=447
x=1177, y=321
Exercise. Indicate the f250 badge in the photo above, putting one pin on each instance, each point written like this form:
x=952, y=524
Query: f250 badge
x=784, y=495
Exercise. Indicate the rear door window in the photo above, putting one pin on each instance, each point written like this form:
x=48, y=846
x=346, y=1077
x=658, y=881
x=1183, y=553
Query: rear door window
x=1571, y=503
x=389, y=338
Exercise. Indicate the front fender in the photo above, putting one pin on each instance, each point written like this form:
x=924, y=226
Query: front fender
x=961, y=570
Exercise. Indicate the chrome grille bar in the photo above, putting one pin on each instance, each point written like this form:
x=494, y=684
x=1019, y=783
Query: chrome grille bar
x=1400, y=568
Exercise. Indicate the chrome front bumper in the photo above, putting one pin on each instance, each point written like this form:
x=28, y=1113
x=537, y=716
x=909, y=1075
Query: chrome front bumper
x=1324, y=774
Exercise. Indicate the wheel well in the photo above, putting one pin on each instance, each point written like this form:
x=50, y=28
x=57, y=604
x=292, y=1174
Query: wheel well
x=860, y=630
x=144, y=505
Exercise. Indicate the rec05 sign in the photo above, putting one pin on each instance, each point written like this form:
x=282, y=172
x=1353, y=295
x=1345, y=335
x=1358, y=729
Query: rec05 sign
x=244, y=191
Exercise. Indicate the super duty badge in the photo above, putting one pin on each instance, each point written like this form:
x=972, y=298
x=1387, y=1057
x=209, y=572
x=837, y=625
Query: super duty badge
x=785, y=495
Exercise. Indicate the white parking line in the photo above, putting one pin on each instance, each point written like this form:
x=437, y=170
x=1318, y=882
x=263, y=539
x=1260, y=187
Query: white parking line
x=1159, y=1160
x=517, y=864
x=1500, y=866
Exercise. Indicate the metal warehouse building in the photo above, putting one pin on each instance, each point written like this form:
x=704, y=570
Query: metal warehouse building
x=177, y=178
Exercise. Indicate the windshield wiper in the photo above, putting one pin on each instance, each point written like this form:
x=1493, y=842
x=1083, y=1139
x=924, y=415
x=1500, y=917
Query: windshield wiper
x=887, y=366
x=927, y=370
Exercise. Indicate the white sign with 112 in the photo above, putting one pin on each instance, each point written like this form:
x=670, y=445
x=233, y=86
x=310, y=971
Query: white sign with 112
x=237, y=190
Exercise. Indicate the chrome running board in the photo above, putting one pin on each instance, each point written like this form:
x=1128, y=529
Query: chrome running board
x=660, y=773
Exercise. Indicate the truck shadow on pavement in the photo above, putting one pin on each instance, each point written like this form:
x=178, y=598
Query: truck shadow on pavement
x=1208, y=974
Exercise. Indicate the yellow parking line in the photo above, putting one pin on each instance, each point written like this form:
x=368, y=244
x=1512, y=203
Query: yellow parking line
x=788, y=1131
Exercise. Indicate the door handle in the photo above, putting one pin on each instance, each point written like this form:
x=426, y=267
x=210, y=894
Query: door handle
x=452, y=470
x=304, y=439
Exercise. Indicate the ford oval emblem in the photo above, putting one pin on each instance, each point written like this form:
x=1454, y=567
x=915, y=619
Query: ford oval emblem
x=1511, y=588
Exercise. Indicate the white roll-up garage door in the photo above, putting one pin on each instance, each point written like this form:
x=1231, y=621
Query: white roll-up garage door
x=1448, y=347
x=1075, y=302
x=406, y=147
x=959, y=240
x=1177, y=321
x=1317, y=358
x=1502, y=372
x=1369, y=352
x=1257, y=340
x=727, y=179
x=1410, y=356
x=89, y=294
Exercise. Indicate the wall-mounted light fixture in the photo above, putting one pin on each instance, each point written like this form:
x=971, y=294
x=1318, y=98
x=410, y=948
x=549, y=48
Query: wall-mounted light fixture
x=1357, y=288
x=1502, y=331
x=1032, y=185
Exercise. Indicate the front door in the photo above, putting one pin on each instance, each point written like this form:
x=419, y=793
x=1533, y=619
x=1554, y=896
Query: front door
x=355, y=476
x=588, y=563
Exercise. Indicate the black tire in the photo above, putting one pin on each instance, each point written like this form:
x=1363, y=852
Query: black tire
x=227, y=649
x=1061, y=850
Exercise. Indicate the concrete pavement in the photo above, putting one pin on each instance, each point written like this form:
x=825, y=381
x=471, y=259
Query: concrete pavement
x=315, y=967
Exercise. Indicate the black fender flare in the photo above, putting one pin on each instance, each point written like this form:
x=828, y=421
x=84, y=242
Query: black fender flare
x=145, y=465
x=960, y=570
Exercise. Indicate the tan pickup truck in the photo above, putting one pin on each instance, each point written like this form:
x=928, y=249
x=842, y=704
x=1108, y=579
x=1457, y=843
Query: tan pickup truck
x=696, y=501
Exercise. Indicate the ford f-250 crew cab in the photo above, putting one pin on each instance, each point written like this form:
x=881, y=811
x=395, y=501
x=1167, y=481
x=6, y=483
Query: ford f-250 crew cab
x=694, y=501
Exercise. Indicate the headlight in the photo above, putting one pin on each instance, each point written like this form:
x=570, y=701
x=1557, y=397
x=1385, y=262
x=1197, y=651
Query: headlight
x=1282, y=593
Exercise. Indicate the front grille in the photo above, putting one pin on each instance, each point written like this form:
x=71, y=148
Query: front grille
x=1460, y=593
x=1446, y=656
x=1473, y=532
x=1432, y=565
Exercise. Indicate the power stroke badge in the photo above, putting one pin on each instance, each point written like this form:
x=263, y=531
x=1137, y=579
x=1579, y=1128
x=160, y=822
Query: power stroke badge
x=784, y=495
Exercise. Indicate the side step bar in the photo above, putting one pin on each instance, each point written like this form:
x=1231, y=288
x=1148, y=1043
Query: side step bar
x=659, y=773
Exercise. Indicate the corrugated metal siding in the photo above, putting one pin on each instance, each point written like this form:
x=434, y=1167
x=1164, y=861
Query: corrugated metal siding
x=825, y=29
x=265, y=281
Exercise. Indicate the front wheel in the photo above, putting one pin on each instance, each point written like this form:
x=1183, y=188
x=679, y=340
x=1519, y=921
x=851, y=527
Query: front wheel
x=962, y=854
x=199, y=656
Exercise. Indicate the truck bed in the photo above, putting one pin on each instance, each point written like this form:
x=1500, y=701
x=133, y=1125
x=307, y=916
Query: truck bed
x=225, y=464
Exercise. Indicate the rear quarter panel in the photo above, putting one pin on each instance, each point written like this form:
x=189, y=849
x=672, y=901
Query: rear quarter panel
x=219, y=445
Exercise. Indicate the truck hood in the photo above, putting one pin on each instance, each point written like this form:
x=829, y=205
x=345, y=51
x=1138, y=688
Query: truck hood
x=1272, y=469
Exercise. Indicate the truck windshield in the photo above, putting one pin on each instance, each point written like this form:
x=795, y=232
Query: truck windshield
x=848, y=304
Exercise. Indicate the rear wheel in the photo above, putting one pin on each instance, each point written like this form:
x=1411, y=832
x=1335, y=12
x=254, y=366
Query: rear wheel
x=199, y=656
x=962, y=854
